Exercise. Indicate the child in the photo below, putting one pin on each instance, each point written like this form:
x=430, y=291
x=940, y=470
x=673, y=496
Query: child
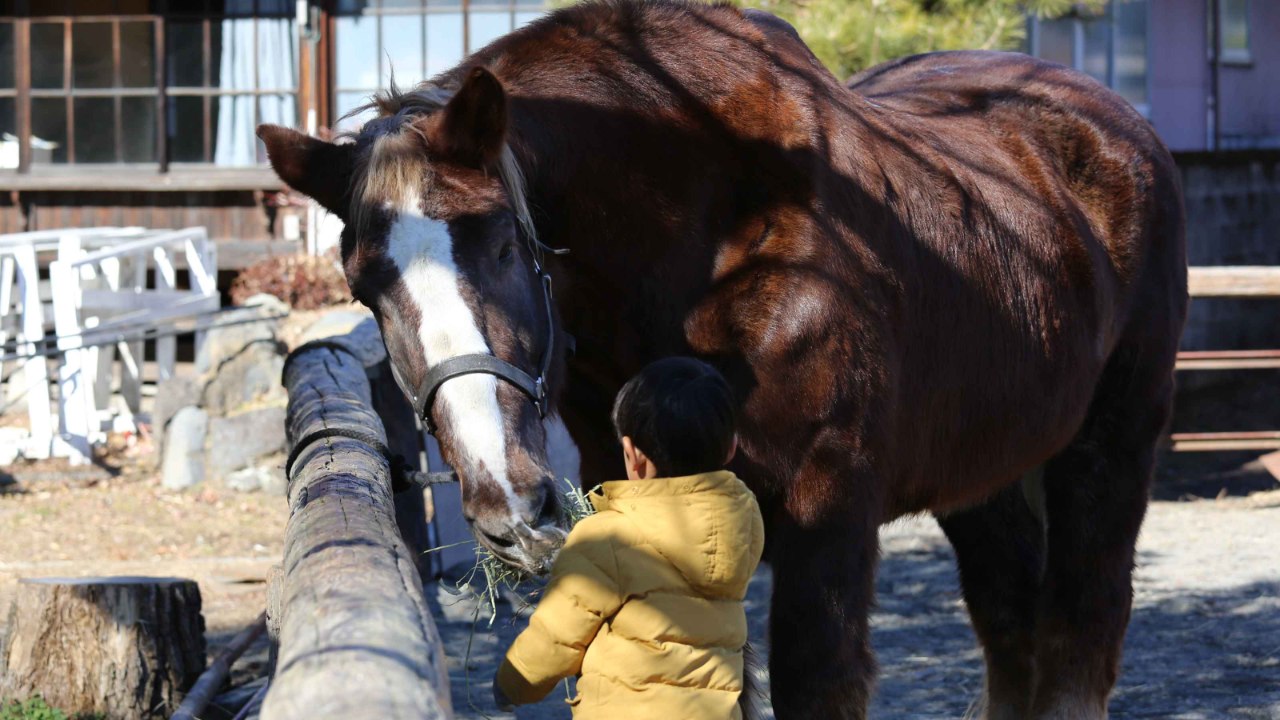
x=645, y=599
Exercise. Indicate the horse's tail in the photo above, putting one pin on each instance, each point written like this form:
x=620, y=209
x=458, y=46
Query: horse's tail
x=751, y=701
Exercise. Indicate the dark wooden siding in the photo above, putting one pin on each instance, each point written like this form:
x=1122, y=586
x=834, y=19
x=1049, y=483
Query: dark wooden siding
x=244, y=223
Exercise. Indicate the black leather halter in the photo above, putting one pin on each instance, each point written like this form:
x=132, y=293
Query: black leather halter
x=478, y=364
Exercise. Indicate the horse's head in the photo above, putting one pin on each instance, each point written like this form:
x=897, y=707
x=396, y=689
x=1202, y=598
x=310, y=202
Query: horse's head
x=439, y=245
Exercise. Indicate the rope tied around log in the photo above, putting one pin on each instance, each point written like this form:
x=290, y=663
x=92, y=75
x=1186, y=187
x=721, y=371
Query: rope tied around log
x=403, y=476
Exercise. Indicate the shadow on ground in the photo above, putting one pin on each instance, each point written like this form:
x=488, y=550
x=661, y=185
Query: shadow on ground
x=1188, y=655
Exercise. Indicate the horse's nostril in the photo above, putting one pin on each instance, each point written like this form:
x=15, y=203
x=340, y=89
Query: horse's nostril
x=549, y=512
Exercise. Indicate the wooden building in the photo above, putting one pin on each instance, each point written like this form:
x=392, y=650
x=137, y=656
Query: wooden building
x=142, y=112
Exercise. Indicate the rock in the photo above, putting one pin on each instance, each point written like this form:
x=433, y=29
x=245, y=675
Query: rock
x=266, y=476
x=183, y=464
x=246, y=479
x=171, y=396
x=268, y=303
x=274, y=482
x=239, y=441
x=337, y=322
x=240, y=365
x=222, y=344
x=251, y=377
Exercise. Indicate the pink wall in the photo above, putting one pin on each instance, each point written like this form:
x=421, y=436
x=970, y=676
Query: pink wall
x=1180, y=78
x=1179, y=72
x=1251, y=93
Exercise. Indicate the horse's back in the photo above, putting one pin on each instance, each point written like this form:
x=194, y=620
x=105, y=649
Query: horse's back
x=1052, y=210
x=1047, y=148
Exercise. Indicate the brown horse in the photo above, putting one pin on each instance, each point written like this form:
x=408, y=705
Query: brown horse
x=957, y=271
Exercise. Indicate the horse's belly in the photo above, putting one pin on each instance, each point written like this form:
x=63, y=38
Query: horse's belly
x=969, y=439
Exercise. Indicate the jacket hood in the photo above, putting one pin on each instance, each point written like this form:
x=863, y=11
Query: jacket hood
x=708, y=526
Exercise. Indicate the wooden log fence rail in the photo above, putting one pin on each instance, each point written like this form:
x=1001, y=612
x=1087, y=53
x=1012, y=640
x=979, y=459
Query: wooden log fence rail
x=1239, y=282
x=356, y=636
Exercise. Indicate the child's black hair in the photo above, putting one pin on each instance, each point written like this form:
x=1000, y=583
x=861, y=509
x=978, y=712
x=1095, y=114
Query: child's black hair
x=680, y=413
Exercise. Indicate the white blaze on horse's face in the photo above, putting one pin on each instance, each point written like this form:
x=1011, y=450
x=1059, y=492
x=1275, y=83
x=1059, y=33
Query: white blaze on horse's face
x=422, y=251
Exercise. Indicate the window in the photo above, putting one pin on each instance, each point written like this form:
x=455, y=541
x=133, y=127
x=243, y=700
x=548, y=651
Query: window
x=416, y=39
x=8, y=99
x=144, y=82
x=93, y=90
x=1111, y=46
x=230, y=67
x=1234, y=17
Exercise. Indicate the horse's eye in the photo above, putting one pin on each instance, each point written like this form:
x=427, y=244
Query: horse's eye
x=505, y=255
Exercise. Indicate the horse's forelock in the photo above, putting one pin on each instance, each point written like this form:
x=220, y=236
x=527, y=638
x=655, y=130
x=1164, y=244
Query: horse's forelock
x=393, y=167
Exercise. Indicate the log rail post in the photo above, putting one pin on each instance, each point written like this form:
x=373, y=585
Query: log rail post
x=356, y=637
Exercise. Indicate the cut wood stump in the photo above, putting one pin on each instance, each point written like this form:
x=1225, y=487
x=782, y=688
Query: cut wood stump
x=122, y=647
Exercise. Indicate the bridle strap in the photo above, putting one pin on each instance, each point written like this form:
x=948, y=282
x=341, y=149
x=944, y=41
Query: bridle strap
x=482, y=364
x=475, y=365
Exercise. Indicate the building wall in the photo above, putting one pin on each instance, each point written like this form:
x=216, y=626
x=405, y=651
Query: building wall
x=1233, y=218
x=1179, y=73
x=244, y=224
x=1251, y=93
x=1180, y=79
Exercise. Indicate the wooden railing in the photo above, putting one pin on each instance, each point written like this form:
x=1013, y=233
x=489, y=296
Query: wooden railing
x=1230, y=282
x=355, y=632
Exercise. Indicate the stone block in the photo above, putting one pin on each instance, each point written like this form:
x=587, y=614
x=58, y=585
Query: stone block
x=183, y=464
x=239, y=441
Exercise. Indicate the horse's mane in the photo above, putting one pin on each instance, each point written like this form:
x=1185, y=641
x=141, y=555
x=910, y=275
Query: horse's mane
x=394, y=165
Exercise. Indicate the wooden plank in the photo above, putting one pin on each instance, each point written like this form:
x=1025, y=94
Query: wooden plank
x=1225, y=441
x=1234, y=281
x=356, y=634
x=1228, y=359
x=123, y=178
x=35, y=371
x=161, y=238
x=75, y=381
x=115, y=301
x=166, y=347
x=234, y=254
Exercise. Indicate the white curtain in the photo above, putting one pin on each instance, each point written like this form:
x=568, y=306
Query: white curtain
x=275, y=60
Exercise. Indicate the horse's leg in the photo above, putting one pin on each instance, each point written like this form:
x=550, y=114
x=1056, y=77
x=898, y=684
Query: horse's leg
x=1095, y=497
x=824, y=547
x=1000, y=550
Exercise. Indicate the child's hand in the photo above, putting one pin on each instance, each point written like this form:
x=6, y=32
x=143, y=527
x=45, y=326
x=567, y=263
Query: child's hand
x=500, y=699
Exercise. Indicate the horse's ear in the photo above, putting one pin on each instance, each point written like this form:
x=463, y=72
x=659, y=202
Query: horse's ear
x=473, y=126
x=321, y=170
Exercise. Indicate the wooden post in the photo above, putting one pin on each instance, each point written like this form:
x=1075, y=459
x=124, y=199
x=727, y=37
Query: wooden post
x=356, y=634
x=35, y=371
x=123, y=647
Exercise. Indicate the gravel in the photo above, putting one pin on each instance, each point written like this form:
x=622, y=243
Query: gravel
x=1204, y=641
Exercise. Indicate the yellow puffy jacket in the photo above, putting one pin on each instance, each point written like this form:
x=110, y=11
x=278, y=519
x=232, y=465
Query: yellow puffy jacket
x=645, y=603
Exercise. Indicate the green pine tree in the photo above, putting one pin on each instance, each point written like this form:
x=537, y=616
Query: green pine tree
x=849, y=35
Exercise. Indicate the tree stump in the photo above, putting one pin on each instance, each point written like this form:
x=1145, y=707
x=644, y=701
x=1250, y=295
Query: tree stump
x=123, y=647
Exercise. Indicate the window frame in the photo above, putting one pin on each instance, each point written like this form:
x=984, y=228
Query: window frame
x=117, y=92
x=1231, y=56
x=26, y=14
x=1077, y=46
x=426, y=8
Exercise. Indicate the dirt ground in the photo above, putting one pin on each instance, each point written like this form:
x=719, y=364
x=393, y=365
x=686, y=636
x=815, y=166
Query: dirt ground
x=60, y=521
x=1204, y=641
